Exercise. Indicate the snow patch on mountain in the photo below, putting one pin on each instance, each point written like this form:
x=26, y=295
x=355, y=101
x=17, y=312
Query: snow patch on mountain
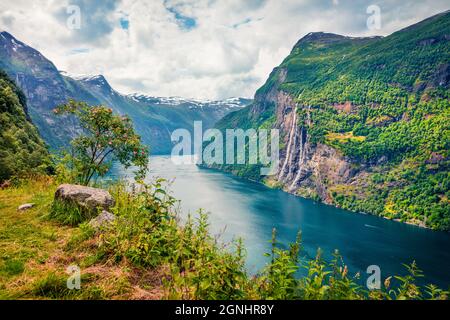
x=191, y=103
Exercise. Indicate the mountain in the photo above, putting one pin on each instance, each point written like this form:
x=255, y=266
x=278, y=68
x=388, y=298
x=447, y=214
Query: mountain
x=364, y=122
x=22, y=150
x=155, y=118
x=46, y=87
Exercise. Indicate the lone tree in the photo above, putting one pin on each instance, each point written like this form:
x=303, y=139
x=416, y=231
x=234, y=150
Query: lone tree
x=106, y=138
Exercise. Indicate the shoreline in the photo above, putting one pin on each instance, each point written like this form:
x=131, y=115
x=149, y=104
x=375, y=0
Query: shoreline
x=202, y=166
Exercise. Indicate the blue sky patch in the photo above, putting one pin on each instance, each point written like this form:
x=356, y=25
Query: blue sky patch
x=124, y=23
x=183, y=21
x=94, y=25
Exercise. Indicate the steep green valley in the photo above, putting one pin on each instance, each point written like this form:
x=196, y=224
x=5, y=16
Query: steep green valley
x=367, y=121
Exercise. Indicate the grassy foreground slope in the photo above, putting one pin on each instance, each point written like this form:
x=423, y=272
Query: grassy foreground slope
x=35, y=252
x=147, y=253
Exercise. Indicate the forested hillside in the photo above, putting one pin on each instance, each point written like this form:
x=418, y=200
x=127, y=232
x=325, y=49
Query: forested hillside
x=365, y=121
x=22, y=151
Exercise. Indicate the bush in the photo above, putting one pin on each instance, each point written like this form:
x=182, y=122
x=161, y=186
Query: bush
x=106, y=138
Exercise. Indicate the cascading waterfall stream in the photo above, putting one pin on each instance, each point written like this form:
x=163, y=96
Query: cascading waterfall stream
x=292, y=134
x=293, y=152
x=303, y=151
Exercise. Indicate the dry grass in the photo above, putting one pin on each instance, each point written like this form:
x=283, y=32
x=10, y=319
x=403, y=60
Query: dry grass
x=35, y=253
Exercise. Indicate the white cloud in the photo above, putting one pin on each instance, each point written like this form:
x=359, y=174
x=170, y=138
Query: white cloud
x=200, y=49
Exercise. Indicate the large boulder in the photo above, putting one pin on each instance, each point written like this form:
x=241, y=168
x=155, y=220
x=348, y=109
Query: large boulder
x=88, y=198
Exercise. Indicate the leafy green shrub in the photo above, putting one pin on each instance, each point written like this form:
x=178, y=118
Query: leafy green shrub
x=331, y=281
x=148, y=233
x=107, y=137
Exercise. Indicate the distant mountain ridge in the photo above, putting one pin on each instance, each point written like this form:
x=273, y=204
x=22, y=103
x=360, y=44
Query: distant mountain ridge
x=46, y=87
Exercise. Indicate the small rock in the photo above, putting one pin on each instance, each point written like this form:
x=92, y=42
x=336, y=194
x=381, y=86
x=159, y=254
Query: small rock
x=86, y=197
x=102, y=220
x=25, y=206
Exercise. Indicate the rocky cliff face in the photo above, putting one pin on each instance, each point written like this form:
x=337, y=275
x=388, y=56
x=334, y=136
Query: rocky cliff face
x=307, y=169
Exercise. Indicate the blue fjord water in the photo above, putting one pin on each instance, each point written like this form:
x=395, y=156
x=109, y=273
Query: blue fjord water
x=240, y=208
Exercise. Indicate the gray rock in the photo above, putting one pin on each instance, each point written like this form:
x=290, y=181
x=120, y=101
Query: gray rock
x=25, y=206
x=85, y=197
x=104, y=219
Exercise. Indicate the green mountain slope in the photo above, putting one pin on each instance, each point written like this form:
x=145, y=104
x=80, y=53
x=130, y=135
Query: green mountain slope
x=365, y=120
x=22, y=151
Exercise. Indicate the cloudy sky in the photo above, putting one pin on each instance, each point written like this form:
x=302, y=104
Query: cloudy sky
x=209, y=49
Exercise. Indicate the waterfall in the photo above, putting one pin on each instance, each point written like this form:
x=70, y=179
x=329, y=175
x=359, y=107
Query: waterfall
x=302, y=154
x=293, y=152
x=292, y=136
x=303, y=151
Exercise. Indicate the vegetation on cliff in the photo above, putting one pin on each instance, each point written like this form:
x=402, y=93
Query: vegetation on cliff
x=22, y=151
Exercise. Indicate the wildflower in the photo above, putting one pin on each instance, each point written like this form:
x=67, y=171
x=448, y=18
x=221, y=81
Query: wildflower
x=387, y=282
x=345, y=271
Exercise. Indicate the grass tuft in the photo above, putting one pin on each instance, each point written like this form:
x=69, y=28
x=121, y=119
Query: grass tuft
x=69, y=213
